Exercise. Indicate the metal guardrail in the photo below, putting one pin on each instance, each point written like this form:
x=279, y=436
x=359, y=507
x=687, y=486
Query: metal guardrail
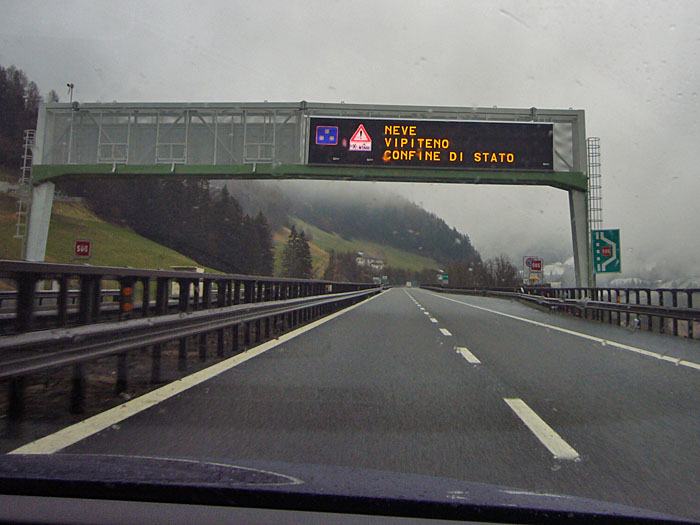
x=202, y=291
x=247, y=307
x=590, y=303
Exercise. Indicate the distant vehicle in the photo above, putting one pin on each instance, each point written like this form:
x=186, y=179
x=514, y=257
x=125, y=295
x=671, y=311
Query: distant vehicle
x=409, y=284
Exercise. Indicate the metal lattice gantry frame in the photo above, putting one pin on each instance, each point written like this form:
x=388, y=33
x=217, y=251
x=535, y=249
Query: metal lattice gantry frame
x=269, y=140
x=595, y=197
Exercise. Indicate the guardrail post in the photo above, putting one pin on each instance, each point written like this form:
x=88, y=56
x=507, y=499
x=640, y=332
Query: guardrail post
x=650, y=319
x=155, y=363
x=77, y=395
x=184, y=298
x=674, y=299
x=221, y=293
x=266, y=327
x=206, y=292
x=689, y=304
x=246, y=335
x=220, y=335
x=89, y=298
x=236, y=292
x=182, y=355
x=248, y=292
x=258, y=330
x=203, y=346
x=16, y=408
x=122, y=374
x=162, y=295
x=234, y=339
x=195, y=295
x=62, y=302
x=24, y=307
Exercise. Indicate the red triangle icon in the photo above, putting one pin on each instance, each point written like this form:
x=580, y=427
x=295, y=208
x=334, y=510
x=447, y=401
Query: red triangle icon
x=360, y=135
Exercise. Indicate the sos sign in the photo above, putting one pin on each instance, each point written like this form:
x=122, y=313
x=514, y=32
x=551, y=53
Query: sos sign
x=533, y=264
x=82, y=248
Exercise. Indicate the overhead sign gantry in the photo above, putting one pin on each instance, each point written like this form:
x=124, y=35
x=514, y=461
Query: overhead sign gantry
x=312, y=141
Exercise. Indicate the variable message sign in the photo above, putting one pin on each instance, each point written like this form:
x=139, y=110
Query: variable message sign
x=606, y=251
x=431, y=144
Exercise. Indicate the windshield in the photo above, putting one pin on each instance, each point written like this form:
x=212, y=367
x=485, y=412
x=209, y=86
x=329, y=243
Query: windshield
x=441, y=239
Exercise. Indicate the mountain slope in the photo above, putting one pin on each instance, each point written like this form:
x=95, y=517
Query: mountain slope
x=352, y=211
x=321, y=242
x=112, y=245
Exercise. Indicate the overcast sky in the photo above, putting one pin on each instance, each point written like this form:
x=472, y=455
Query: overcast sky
x=634, y=67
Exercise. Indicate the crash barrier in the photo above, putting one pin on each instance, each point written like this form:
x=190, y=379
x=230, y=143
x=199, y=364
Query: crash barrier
x=665, y=310
x=236, y=310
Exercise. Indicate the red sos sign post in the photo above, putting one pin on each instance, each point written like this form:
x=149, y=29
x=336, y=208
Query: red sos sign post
x=532, y=269
x=536, y=265
x=82, y=249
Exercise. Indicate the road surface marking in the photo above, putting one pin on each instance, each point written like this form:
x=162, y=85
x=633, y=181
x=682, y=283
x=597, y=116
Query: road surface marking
x=622, y=346
x=427, y=313
x=445, y=331
x=559, y=448
x=466, y=354
x=433, y=320
x=92, y=425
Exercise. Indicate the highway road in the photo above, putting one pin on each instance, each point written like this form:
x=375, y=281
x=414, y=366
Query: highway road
x=471, y=388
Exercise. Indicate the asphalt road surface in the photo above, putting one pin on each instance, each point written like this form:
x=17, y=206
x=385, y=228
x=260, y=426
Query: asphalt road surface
x=479, y=389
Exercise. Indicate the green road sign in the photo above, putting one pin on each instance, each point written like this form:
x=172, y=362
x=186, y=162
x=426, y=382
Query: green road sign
x=606, y=251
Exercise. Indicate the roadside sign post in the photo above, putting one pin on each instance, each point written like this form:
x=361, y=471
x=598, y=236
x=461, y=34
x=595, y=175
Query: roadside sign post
x=82, y=249
x=532, y=269
x=606, y=251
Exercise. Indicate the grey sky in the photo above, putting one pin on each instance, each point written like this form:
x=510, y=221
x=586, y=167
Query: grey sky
x=634, y=68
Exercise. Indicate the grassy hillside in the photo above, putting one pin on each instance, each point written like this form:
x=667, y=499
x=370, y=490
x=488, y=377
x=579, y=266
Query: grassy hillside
x=322, y=242
x=112, y=245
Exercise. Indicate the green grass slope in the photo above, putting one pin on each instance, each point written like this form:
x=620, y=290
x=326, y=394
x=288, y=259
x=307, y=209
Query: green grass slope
x=322, y=242
x=112, y=245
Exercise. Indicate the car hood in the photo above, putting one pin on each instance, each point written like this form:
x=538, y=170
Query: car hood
x=294, y=486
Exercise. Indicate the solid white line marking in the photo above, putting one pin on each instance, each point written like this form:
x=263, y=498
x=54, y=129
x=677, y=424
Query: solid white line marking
x=445, y=331
x=467, y=355
x=559, y=448
x=79, y=431
x=622, y=346
x=433, y=320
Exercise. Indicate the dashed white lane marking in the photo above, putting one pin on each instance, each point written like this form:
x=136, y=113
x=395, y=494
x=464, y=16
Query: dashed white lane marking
x=427, y=313
x=445, y=331
x=433, y=320
x=676, y=361
x=79, y=431
x=559, y=448
x=466, y=354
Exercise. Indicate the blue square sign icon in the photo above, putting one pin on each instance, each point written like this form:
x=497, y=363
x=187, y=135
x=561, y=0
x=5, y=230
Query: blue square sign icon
x=327, y=135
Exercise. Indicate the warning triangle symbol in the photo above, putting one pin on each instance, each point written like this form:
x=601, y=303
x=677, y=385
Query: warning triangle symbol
x=360, y=135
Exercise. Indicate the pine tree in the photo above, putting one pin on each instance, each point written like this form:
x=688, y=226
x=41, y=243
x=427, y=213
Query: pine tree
x=263, y=245
x=303, y=257
x=288, y=255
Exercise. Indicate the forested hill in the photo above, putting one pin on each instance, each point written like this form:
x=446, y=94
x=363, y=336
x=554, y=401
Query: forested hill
x=367, y=212
x=233, y=230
